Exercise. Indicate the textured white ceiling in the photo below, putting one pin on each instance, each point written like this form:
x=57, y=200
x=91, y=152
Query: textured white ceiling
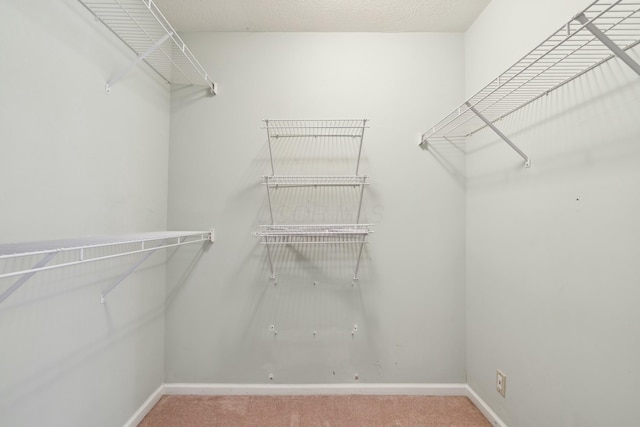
x=322, y=15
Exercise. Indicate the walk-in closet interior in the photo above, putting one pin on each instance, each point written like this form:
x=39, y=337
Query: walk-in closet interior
x=320, y=197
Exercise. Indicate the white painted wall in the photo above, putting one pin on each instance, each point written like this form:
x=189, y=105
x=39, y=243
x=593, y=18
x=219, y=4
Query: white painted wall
x=409, y=302
x=77, y=162
x=552, y=274
x=550, y=251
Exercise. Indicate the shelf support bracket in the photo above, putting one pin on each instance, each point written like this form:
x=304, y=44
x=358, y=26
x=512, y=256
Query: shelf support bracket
x=103, y=296
x=21, y=281
x=581, y=18
x=355, y=274
x=141, y=57
x=273, y=171
x=364, y=125
x=527, y=161
x=424, y=143
x=270, y=206
x=360, y=204
x=273, y=273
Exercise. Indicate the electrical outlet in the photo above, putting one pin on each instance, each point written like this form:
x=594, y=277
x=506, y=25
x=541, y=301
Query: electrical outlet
x=501, y=382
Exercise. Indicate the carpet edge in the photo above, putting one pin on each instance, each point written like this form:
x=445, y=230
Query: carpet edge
x=208, y=389
x=212, y=389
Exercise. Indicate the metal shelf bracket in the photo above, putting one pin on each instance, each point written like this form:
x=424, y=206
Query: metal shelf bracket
x=527, y=161
x=79, y=249
x=273, y=273
x=617, y=51
x=208, y=238
x=131, y=66
x=103, y=295
x=355, y=274
x=21, y=281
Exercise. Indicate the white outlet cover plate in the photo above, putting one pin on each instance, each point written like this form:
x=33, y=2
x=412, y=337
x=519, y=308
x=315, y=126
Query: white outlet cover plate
x=501, y=382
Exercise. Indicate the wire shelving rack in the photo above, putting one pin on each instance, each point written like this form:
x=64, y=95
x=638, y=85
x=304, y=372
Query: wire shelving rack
x=311, y=131
x=90, y=249
x=604, y=30
x=145, y=30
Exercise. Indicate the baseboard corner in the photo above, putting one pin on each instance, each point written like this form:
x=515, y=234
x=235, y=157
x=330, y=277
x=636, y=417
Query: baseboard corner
x=486, y=410
x=144, y=409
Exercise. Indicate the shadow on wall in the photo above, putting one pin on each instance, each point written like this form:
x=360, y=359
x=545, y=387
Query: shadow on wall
x=174, y=287
x=329, y=264
x=312, y=305
x=450, y=155
x=585, y=120
x=563, y=129
x=69, y=330
x=183, y=96
x=308, y=312
x=77, y=20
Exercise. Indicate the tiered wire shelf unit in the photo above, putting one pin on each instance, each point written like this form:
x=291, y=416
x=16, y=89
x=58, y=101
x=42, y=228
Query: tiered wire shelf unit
x=604, y=30
x=309, y=131
x=145, y=30
x=79, y=251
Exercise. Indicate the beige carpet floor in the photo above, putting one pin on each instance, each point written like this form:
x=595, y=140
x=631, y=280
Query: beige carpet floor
x=325, y=411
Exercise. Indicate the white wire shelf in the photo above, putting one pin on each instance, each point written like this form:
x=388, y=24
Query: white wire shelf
x=314, y=234
x=603, y=30
x=83, y=250
x=305, y=130
x=325, y=234
x=314, y=181
x=315, y=128
x=145, y=30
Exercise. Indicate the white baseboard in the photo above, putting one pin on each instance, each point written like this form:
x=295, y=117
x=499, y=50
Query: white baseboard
x=182, y=389
x=484, y=408
x=316, y=389
x=146, y=407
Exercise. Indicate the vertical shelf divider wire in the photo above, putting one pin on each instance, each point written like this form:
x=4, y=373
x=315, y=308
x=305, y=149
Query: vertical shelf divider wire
x=604, y=30
x=83, y=250
x=143, y=28
x=355, y=233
